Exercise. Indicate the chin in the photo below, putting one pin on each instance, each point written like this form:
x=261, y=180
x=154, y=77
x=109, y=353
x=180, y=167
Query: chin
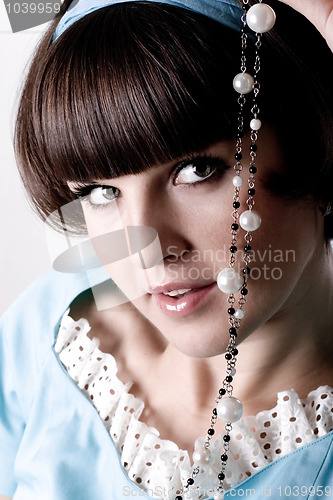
x=197, y=342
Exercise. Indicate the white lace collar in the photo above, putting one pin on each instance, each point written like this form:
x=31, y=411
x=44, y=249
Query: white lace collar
x=158, y=466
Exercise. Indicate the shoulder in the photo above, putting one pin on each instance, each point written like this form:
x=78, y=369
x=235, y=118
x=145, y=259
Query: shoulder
x=29, y=326
x=40, y=307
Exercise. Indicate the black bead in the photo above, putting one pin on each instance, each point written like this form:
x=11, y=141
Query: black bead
x=228, y=356
x=190, y=481
x=215, y=412
x=226, y=438
x=234, y=351
x=244, y=291
x=210, y=432
x=253, y=169
x=221, y=476
x=229, y=378
x=231, y=311
x=236, y=204
x=247, y=248
x=224, y=457
x=232, y=330
x=233, y=249
x=234, y=227
x=222, y=392
x=246, y=270
x=178, y=497
x=253, y=147
x=238, y=156
x=251, y=191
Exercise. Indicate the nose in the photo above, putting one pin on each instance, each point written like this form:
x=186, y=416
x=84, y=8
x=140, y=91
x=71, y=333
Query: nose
x=156, y=226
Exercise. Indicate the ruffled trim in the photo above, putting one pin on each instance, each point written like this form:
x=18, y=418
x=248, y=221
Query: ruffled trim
x=158, y=466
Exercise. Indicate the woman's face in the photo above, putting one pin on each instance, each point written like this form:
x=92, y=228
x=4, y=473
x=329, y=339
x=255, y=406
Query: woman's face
x=189, y=204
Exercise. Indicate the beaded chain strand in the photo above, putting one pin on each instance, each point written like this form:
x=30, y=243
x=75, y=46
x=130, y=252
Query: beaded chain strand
x=260, y=18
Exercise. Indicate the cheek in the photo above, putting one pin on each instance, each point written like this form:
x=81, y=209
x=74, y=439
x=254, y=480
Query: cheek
x=286, y=233
x=205, y=217
x=103, y=220
x=282, y=255
x=105, y=230
x=131, y=256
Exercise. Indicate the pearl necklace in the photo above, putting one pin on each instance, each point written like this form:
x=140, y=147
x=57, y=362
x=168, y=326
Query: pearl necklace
x=260, y=18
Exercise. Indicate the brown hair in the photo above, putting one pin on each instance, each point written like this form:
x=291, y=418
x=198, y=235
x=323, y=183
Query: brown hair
x=138, y=84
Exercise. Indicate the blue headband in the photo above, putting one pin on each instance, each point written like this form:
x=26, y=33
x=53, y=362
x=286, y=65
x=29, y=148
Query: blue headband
x=226, y=12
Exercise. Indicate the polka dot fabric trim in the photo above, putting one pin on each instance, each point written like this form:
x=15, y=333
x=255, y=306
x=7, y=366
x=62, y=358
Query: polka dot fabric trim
x=271, y=434
x=159, y=465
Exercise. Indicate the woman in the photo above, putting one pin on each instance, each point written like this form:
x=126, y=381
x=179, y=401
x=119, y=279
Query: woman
x=130, y=110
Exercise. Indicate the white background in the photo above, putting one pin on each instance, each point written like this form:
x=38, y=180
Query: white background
x=23, y=250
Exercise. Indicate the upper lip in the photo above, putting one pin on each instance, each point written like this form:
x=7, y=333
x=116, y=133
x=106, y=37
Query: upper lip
x=170, y=287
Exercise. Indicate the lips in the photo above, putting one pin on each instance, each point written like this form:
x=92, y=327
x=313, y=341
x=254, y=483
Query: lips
x=182, y=299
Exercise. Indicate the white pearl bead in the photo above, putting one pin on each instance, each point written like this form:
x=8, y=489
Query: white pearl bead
x=255, y=124
x=243, y=83
x=239, y=314
x=230, y=409
x=229, y=281
x=238, y=181
x=232, y=372
x=260, y=18
x=201, y=457
x=250, y=220
x=218, y=495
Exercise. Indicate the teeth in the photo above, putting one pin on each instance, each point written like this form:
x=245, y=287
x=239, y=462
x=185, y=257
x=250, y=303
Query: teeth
x=174, y=293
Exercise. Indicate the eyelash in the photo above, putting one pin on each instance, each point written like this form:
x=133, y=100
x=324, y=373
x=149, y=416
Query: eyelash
x=83, y=191
x=217, y=163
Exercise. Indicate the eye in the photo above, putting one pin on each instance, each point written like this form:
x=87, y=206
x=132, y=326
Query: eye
x=195, y=171
x=102, y=195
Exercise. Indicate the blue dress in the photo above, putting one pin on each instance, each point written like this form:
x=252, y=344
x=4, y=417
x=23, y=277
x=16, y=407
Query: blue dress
x=54, y=445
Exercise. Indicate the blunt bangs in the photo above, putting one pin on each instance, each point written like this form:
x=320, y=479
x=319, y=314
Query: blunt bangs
x=137, y=84
x=119, y=94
